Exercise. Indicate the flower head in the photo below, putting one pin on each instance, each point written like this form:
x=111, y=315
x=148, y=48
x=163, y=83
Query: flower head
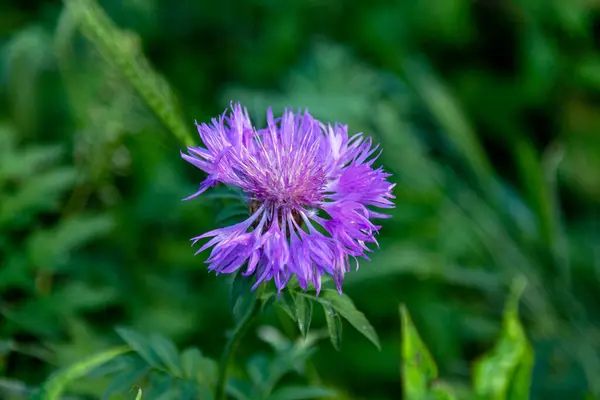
x=310, y=188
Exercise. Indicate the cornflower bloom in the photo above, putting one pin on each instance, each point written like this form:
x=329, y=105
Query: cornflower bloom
x=309, y=188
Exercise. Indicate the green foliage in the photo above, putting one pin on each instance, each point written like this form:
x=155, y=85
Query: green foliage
x=56, y=385
x=503, y=373
x=488, y=119
x=160, y=369
x=265, y=372
x=418, y=367
x=299, y=305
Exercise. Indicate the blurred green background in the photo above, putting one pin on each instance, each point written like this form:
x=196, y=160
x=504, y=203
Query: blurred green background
x=488, y=113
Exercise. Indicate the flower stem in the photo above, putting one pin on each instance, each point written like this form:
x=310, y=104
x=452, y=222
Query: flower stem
x=234, y=340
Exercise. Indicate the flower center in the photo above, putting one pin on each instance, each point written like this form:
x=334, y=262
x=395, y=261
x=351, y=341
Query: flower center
x=254, y=205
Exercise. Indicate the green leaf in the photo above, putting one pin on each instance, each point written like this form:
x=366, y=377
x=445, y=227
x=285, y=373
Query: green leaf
x=167, y=352
x=304, y=308
x=141, y=346
x=161, y=386
x=48, y=247
x=418, y=367
x=301, y=393
x=191, y=361
x=53, y=388
x=442, y=391
x=334, y=325
x=535, y=186
x=198, y=368
x=242, y=298
x=139, y=394
x=505, y=372
x=346, y=308
x=125, y=380
x=286, y=303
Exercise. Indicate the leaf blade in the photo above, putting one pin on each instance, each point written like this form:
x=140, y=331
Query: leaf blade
x=346, y=308
x=505, y=371
x=56, y=384
x=418, y=367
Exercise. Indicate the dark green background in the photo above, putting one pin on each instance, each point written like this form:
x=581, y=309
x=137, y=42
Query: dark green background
x=487, y=111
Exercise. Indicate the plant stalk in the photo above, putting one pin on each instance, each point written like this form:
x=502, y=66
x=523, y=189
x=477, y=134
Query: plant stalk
x=234, y=340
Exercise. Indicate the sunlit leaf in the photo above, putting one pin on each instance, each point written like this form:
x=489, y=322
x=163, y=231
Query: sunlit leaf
x=505, y=372
x=418, y=367
x=56, y=384
x=441, y=391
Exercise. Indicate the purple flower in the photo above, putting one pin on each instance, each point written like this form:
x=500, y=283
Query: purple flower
x=309, y=188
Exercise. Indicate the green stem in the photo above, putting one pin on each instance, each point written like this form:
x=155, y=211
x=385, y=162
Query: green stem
x=231, y=346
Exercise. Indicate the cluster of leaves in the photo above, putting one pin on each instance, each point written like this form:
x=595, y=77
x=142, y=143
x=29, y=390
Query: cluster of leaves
x=152, y=363
x=502, y=374
x=466, y=228
x=35, y=254
x=156, y=365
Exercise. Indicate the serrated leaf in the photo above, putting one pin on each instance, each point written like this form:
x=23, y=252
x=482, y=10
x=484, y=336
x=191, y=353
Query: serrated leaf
x=346, y=308
x=301, y=393
x=334, y=325
x=505, y=372
x=304, y=308
x=167, y=352
x=242, y=298
x=418, y=367
x=140, y=345
x=56, y=384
